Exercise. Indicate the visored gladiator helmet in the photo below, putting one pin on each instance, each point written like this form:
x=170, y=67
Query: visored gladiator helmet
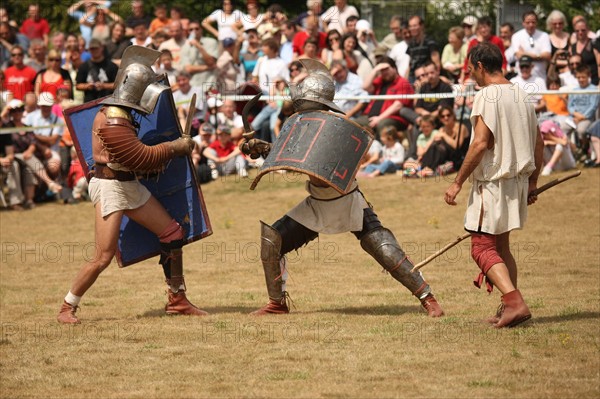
x=136, y=83
x=316, y=89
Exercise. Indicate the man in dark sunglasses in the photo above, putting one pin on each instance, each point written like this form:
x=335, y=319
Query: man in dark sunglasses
x=19, y=77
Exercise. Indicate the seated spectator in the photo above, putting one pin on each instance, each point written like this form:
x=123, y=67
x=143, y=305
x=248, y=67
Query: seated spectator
x=594, y=133
x=567, y=78
x=287, y=110
x=431, y=105
x=175, y=43
x=311, y=31
x=392, y=156
x=224, y=156
x=348, y=84
x=137, y=16
x=384, y=79
x=47, y=138
x=449, y=144
x=427, y=133
x=19, y=77
x=117, y=43
x=310, y=50
x=332, y=50
x=228, y=116
x=9, y=38
x=183, y=96
x=203, y=141
x=26, y=148
x=141, y=37
x=529, y=83
x=335, y=17
x=556, y=104
x=485, y=34
x=557, y=152
x=454, y=53
x=49, y=79
x=367, y=42
x=76, y=179
x=37, y=55
x=356, y=60
x=264, y=123
x=582, y=108
x=96, y=77
x=372, y=157
x=250, y=54
x=165, y=66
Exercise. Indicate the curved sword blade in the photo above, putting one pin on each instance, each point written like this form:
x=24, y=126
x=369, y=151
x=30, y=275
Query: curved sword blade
x=249, y=105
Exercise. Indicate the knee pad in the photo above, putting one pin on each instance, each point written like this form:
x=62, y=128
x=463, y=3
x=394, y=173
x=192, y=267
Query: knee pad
x=370, y=223
x=484, y=251
x=172, y=232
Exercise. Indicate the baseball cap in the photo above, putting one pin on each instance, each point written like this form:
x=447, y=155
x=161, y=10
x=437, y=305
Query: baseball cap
x=363, y=25
x=228, y=42
x=380, y=51
x=207, y=128
x=46, y=98
x=525, y=61
x=469, y=20
x=224, y=129
x=15, y=104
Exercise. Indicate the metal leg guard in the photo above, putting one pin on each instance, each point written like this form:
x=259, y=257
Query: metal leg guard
x=270, y=254
x=171, y=258
x=381, y=244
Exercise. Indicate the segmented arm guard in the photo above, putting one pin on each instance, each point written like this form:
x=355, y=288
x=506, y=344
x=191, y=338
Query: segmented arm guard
x=119, y=138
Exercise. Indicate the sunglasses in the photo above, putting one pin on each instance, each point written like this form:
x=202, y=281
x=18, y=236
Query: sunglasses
x=17, y=54
x=53, y=59
x=531, y=42
x=331, y=39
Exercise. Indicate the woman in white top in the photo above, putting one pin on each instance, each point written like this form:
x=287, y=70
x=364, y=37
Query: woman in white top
x=225, y=19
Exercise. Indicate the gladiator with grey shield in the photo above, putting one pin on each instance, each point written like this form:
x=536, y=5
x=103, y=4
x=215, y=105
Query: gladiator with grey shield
x=119, y=157
x=319, y=142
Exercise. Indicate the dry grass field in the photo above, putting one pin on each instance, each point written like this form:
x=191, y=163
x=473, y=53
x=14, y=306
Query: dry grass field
x=354, y=331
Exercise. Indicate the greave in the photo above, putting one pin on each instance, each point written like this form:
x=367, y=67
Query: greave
x=381, y=244
x=270, y=254
x=172, y=259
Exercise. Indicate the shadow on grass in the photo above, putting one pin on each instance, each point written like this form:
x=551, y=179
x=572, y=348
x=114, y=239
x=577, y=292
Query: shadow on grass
x=565, y=317
x=375, y=310
x=211, y=310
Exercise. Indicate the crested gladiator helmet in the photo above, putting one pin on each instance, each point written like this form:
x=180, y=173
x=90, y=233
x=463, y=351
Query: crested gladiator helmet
x=316, y=91
x=136, y=85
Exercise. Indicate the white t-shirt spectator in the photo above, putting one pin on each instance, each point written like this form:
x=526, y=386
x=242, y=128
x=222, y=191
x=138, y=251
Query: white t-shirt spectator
x=336, y=19
x=537, y=44
x=268, y=70
x=180, y=97
x=225, y=23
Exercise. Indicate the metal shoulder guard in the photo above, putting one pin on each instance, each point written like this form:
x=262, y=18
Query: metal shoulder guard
x=119, y=138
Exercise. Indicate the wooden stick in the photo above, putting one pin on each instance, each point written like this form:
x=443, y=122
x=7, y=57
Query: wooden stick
x=467, y=235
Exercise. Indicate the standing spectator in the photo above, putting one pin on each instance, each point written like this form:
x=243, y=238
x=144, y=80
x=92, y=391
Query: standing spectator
x=203, y=141
x=96, y=77
x=37, y=55
x=559, y=38
x=252, y=18
x=395, y=36
x=507, y=30
x=224, y=155
x=503, y=161
x=312, y=31
x=335, y=16
x=34, y=26
x=384, y=79
x=48, y=138
x=583, y=46
x=269, y=66
x=420, y=48
x=314, y=11
x=86, y=18
x=356, y=60
x=18, y=77
x=117, y=42
x=432, y=105
x=51, y=78
x=229, y=72
x=251, y=53
x=469, y=25
x=484, y=34
x=8, y=39
x=161, y=22
x=175, y=43
x=398, y=51
x=529, y=83
x=72, y=66
x=183, y=96
x=102, y=24
x=454, y=53
x=533, y=43
x=138, y=16
x=165, y=66
x=286, y=52
x=348, y=84
x=199, y=58
x=351, y=24
x=366, y=38
x=226, y=19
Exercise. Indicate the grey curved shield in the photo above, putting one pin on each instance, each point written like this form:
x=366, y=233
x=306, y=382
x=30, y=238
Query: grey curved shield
x=321, y=144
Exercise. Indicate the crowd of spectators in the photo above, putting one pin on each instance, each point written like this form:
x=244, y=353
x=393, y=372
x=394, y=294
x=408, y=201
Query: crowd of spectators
x=235, y=51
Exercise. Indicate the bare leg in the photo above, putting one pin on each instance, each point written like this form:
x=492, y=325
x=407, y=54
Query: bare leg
x=503, y=247
x=596, y=148
x=500, y=277
x=152, y=215
x=107, y=233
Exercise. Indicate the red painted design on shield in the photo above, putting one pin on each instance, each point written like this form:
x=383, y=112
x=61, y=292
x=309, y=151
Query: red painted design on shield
x=341, y=176
x=306, y=131
x=358, y=145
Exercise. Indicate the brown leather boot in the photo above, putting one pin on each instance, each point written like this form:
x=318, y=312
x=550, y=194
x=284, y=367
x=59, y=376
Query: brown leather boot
x=432, y=306
x=179, y=304
x=66, y=314
x=515, y=310
x=495, y=318
x=273, y=307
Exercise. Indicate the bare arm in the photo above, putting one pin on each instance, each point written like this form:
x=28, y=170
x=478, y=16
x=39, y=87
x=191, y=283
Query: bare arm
x=207, y=25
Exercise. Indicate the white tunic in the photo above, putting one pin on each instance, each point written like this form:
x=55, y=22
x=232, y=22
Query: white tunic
x=327, y=211
x=501, y=180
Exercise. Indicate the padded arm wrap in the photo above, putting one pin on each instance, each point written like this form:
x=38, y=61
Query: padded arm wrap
x=119, y=138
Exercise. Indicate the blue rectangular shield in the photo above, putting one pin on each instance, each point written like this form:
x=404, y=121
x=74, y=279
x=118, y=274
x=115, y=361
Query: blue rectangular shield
x=176, y=188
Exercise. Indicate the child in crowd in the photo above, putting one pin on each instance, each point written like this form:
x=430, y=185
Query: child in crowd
x=76, y=180
x=557, y=152
x=424, y=140
x=161, y=22
x=392, y=155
